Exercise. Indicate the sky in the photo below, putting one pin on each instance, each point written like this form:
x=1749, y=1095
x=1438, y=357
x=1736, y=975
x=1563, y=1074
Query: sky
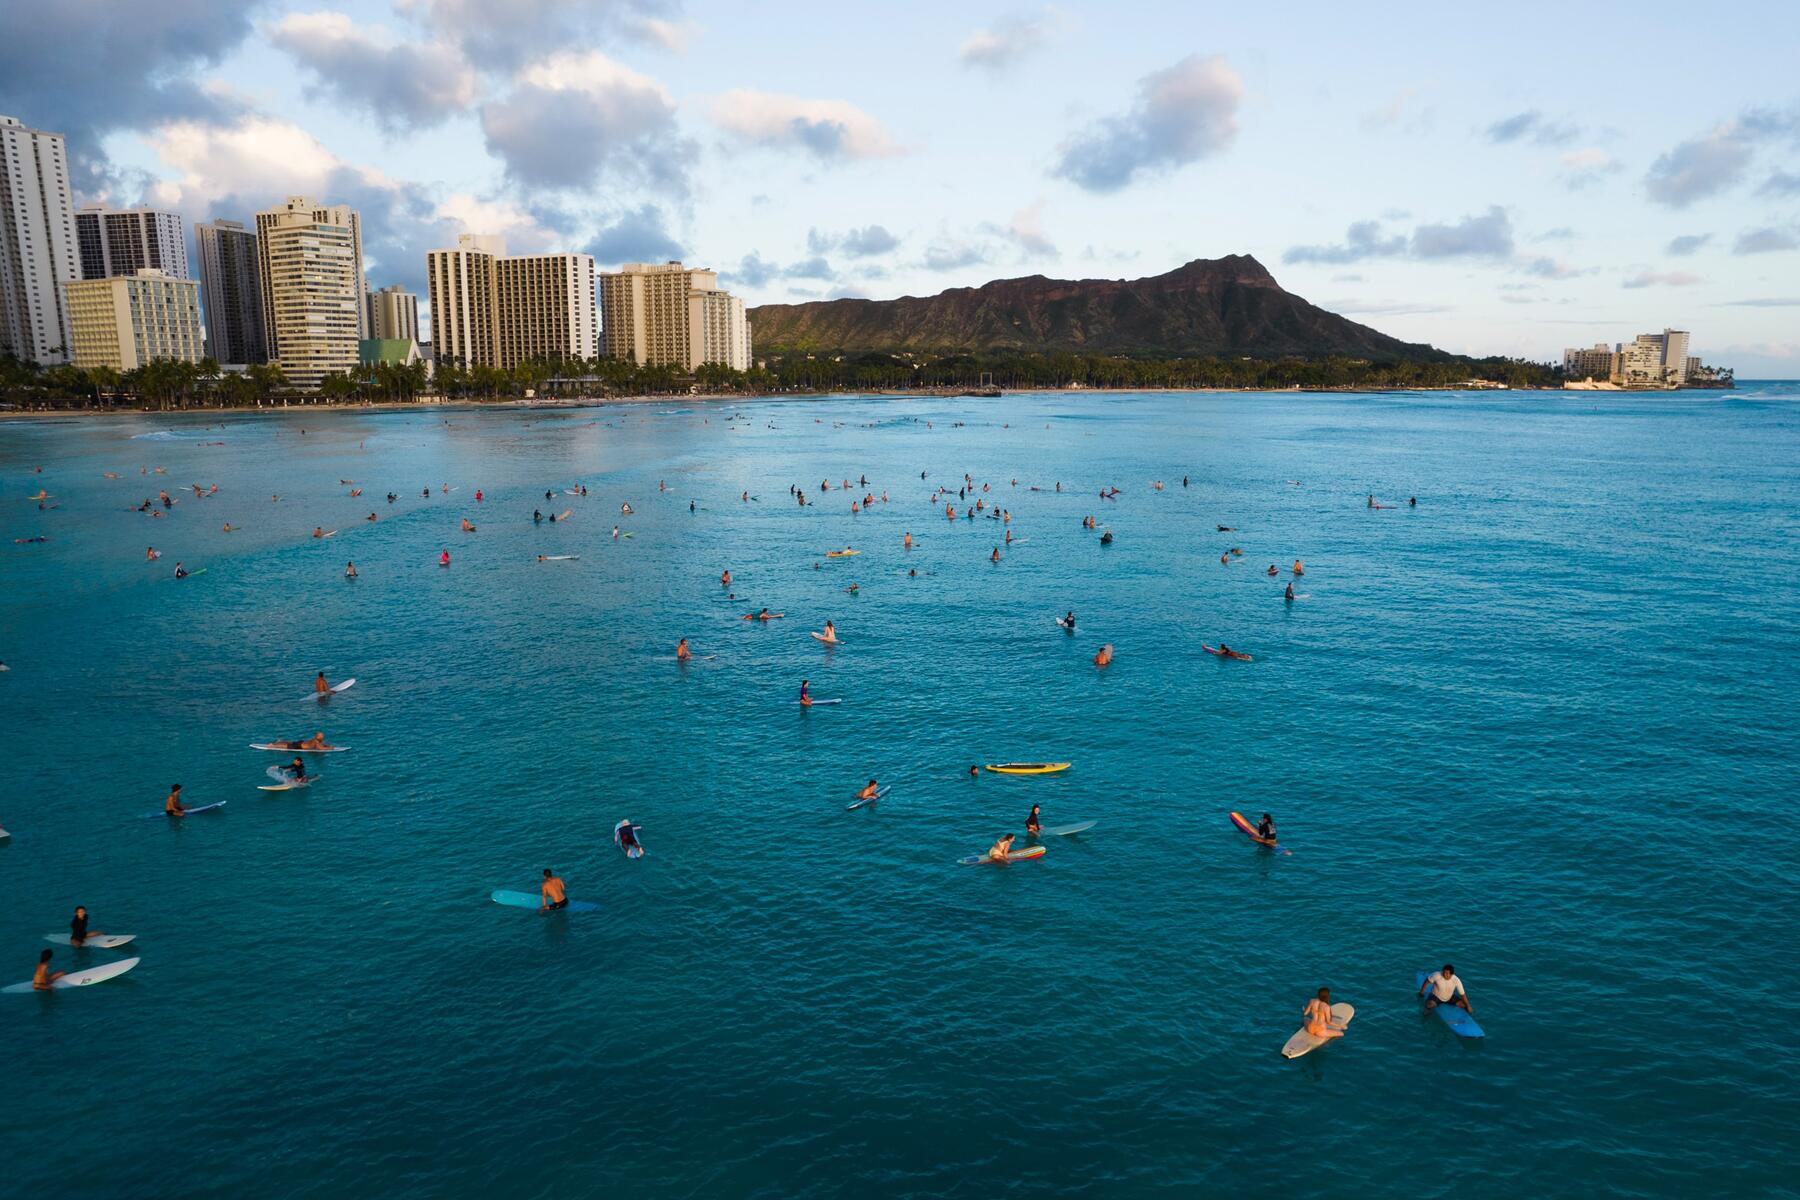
x=1502, y=180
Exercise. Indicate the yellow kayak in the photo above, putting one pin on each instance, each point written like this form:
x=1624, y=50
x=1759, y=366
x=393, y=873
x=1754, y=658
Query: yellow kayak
x=1027, y=768
x=841, y=553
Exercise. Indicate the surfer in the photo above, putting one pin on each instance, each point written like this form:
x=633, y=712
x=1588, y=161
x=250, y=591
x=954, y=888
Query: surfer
x=466, y=527
x=318, y=531
x=682, y=654
x=868, y=792
x=995, y=556
x=1289, y=594
x=830, y=632
x=626, y=834
x=297, y=769
x=1318, y=1016
x=43, y=977
x=1445, y=988
x=172, y=805
x=805, y=698
x=151, y=552
x=907, y=544
x=1104, y=656
x=552, y=891
x=1412, y=502
x=1298, y=569
x=350, y=570
x=181, y=572
x=536, y=516
x=1106, y=538
x=1001, y=850
x=1034, y=824
x=320, y=687
x=1265, y=828
x=725, y=579
x=79, y=932
x=1068, y=622
x=444, y=559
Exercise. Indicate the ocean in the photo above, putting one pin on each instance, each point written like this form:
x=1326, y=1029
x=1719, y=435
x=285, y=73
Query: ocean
x=1541, y=725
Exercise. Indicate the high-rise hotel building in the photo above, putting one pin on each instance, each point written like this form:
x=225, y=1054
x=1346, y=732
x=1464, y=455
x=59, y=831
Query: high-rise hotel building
x=127, y=321
x=665, y=314
x=231, y=288
x=124, y=241
x=38, y=251
x=312, y=288
x=491, y=309
x=393, y=315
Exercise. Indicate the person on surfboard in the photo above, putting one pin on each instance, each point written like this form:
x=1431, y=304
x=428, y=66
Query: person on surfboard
x=1265, y=828
x=297, y=769
x=682, y=653
x=868, y=792
x=79, y=932
x=1289, y=594
x=1445, y=988
x=805, y=699
x=43, y=977
x=1034, y=823
x=1068, y=622
x=1001, y=850
x=1104, y=656
x=172, y=805
x=1318, y=1016
x=552, y=891
x=627, y=835
x=320, y=687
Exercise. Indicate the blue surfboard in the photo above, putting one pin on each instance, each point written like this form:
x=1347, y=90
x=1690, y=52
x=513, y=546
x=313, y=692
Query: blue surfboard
x=532, y=900
x=1461, y=1021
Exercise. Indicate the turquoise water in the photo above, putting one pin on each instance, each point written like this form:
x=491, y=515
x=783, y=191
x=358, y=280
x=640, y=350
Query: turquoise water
x=1542, y=725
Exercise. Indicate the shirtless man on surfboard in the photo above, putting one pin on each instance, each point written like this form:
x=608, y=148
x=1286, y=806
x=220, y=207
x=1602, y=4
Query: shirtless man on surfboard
x=552, y=891
x=172, y=806
x=868, y=792
x=320, y=687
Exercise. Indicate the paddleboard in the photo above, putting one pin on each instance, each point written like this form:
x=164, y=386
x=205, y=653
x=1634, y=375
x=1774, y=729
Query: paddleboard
x=79, y=978
x=816, y=703
x=297, y=749
x=335, y=689
x=98, y=941
x=151, y=816
x=1249, y=831
x=636, y=851
x=532, y=900
x=1461, y=1021
x=1305, y=1043
x=828, y=641
x=1027, y=768
x=1066, y=830
x=975, y=860
x=856, y=804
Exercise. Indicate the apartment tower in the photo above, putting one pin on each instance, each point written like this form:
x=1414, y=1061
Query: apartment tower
x=312, y=288
x=127, y=321
x=38, y=251
x=231, y=289
x=491, y=309
x=393, y=314
x=665, y=314
x=299, y=207
x=124, y=241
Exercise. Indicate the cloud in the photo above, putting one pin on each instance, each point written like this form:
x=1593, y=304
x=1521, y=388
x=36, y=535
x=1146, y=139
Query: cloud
x=1008, y=40
x=1562, y=233
x=952, y=254
x=638, y=234
x=1582, y=167
x=1687, y=243
x=1362, y=240
x=1383, y=308
x=1700, y=167
x=672, y=36
x=753, y=271
x=1780, y=183
x=572, y=115
x=1026, y=229
x=502, y=35
x=84, y=68
x=831, y=130
x=1551, y=268
x=1644, y=279
x=1390, y=114
x=1534, y=125
x=809, y=268
x=524, y=231
x=1486, y=236
x=1183, y=114
x=867, y=242
x=403, y=84
x=1764, y=302
x=1764, y=241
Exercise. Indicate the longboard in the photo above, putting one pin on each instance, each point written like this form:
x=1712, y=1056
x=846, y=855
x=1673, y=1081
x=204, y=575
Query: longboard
x=298, y=749
x=335, y=689
x=856, y=804
x=532, y=900
x=1461, y=1022
x=828, y=641
x=151, y=816
x=1305, y=1043
x=1027, y=768
x=1066, y=830
x=98, y=941
x=636, y=850
x=975, y=860
x=816, y=703
x=289, y=786
x=1249, y=831
x=78, y=978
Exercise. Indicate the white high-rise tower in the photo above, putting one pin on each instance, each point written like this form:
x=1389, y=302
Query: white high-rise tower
x=38, y=249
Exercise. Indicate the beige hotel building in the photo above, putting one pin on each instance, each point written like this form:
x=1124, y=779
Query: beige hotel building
x=491, y=309
x=313, y=287
x=127, y=321
x=665, y=314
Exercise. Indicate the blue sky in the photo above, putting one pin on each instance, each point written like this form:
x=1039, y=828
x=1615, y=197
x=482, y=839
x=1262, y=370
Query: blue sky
x=1507, y=181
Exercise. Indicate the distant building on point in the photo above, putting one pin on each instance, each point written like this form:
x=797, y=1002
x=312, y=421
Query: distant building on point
x=1648, y=360
x=665, y=314
x=128, y=321
x=231, y=292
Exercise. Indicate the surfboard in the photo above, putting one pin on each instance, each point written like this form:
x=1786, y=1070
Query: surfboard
x=1249, y=831
x=560, y=557
x=821, y=637
x=1305, y=1043
x=816, y=703
x=297, y=749
x=856, y=804
x=1461, y=1022
x=1027, y=768
x=842, y=553
x=1066, y=830
x=1064, y=625
x=98, y=941
x=975, y=860
x=532, y=900
x=78, y=978
x=289, y=786
x=335, y=689
x=565, y=514
x=151, y=816
x=636, y=851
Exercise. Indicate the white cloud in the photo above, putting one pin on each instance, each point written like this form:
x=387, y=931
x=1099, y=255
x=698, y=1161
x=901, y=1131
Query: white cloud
x=403, y=84
x=1027, y=229
x=472, y=214
x=830, y=129
x=1582, y=167
x=1009, y=39
x=254, y=156
x=573, y=113
x=1183, y=113
x=1644, y=279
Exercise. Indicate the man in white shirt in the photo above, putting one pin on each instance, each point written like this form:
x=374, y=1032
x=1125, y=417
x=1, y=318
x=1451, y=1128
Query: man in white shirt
x=1445, y=988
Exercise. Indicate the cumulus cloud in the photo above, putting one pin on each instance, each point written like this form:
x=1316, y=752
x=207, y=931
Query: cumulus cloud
x=1765, y=241
x=952, y=254
x=525, y=232
x=1701, y=167
x=638, y=234
x=831, y=130
x=1183, y=113
x=1008, y=40
x=502, y=35
x=1533, y=125
x=1582, y=167
x=572, y=114
x=755, y=271
x=1487, y=235
x=867, y=242
x=84, y=68
x=1644, y=279
x=672, y=36
x=1780, y=183
x=403, y=84
x=1687, y=243
x=1026, y=229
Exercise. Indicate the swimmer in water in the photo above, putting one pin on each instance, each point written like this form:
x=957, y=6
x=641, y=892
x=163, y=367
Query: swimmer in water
x=350, y=570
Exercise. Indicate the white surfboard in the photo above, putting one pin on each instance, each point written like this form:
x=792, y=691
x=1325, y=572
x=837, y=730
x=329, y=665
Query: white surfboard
x=335, y=689
x=1305, y=1043
x=98, y=941
x=826, y=640
x=1066, y=830
x=289, y=786
x=78, y=978
x=856, y=804
x=298, y=749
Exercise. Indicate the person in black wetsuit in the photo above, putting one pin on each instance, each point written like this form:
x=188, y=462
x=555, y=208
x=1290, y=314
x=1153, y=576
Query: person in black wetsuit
x=1068, y=622
x=536, y=516
x=79, y=932
x=1265, y=828
x=1033, y=824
